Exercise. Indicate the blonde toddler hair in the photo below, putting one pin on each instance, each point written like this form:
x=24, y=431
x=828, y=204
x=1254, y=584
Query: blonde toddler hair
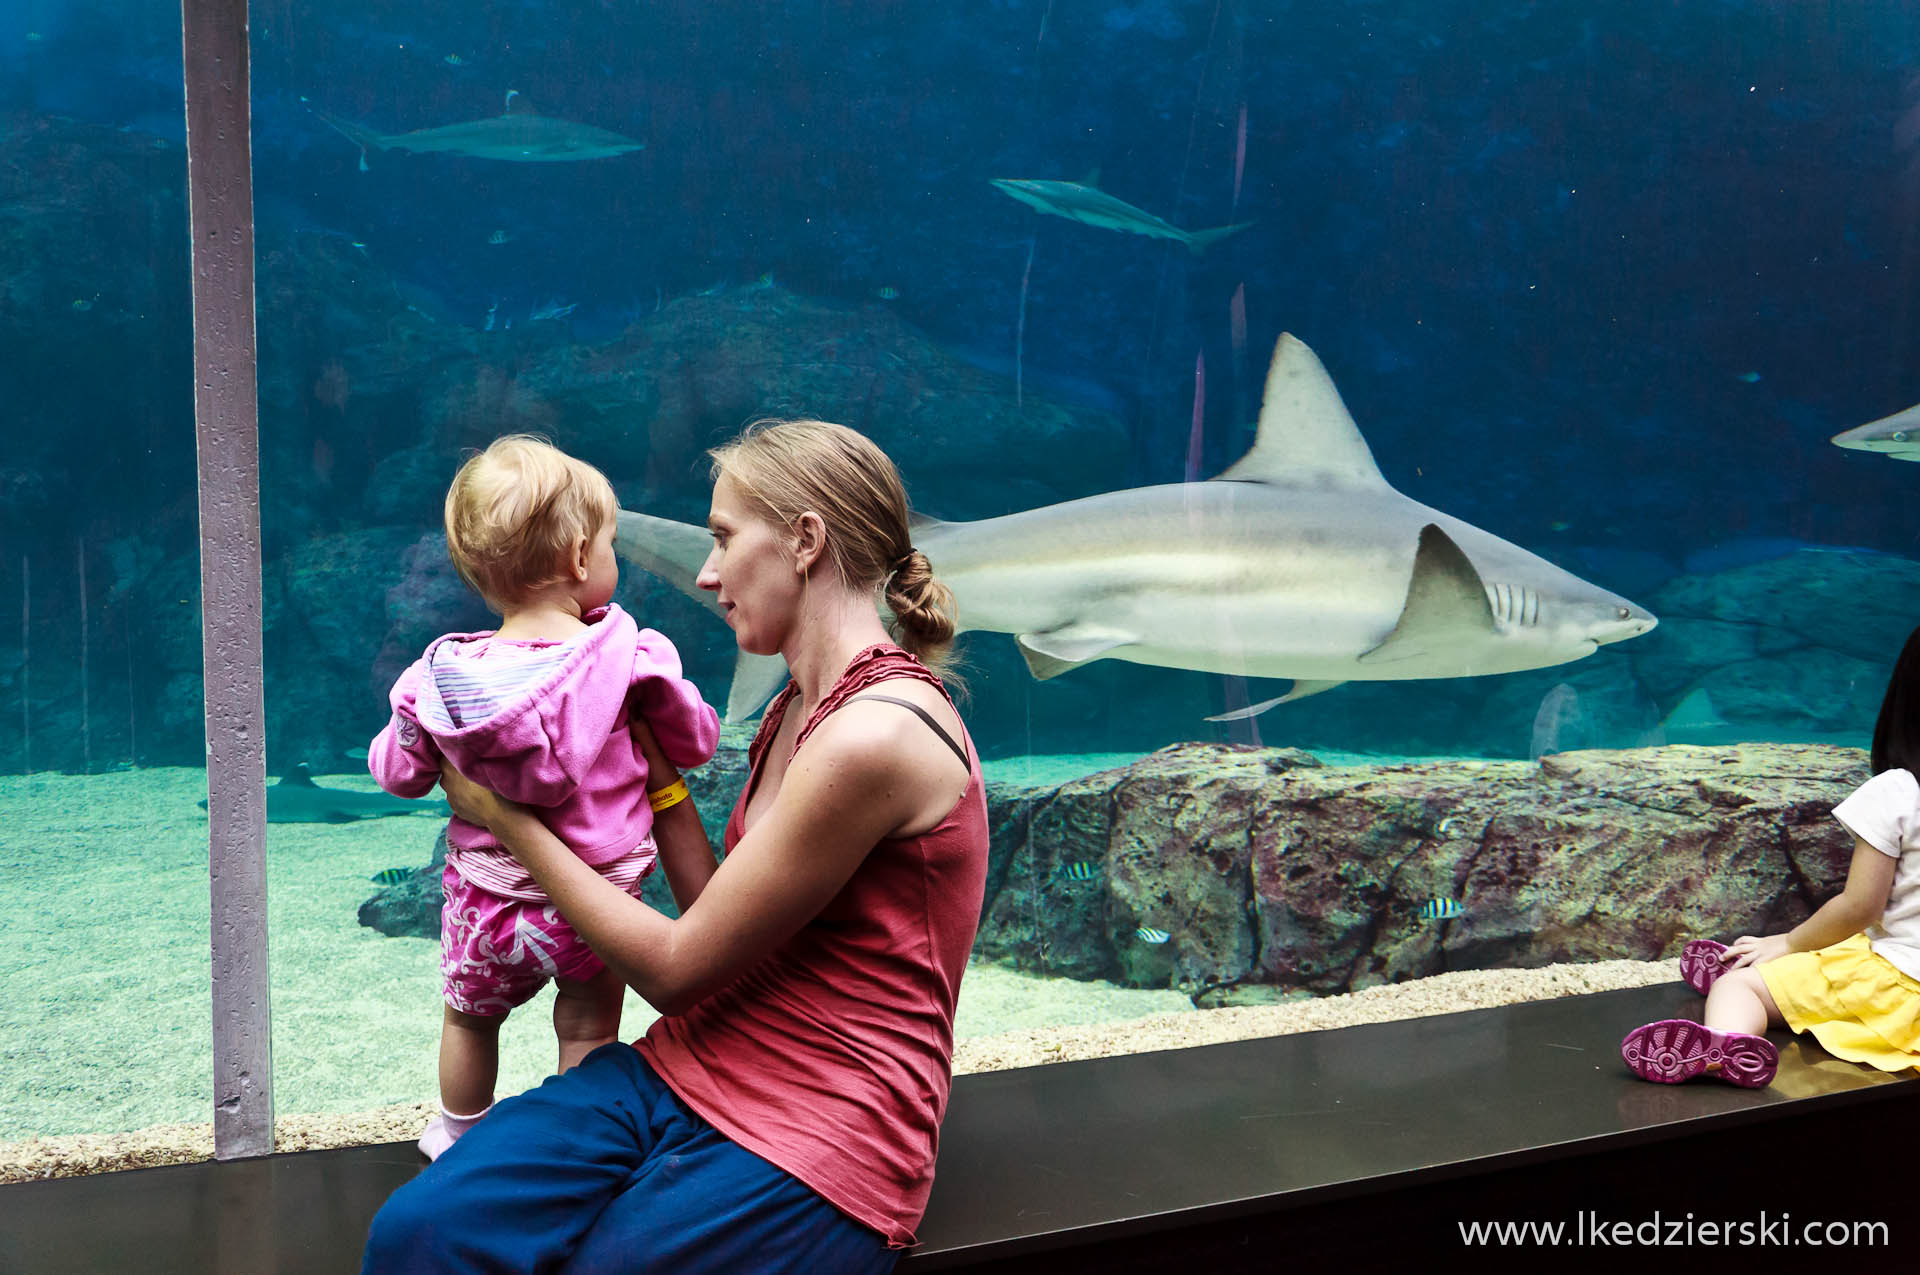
x=514, y=513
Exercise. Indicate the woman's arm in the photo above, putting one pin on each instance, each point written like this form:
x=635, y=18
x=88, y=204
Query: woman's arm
x=686, y=855
x=859, y=778
x=1860, y=904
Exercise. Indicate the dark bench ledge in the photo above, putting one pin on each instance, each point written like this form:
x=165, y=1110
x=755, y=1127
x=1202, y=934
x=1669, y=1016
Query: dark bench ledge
x=1366, y=1145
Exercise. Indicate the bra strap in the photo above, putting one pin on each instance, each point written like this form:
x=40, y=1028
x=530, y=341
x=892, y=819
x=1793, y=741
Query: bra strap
x=926, y=717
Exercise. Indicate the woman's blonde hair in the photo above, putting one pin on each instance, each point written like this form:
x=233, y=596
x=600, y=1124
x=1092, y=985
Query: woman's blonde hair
x=788, y=468
x=514, y=512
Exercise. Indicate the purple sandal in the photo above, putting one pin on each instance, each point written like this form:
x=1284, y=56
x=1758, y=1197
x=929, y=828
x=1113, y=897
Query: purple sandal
x=1700, y=964
x=1678, y=1049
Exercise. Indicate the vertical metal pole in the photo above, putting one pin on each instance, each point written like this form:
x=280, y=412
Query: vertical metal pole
x=220, y=206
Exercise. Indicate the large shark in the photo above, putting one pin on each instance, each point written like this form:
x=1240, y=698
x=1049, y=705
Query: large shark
x=1083, y=201
x=1299, y=561
x=1897, y=436
x=520, y=135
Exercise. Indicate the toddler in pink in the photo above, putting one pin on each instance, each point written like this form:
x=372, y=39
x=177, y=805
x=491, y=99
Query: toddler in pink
x=537, y=710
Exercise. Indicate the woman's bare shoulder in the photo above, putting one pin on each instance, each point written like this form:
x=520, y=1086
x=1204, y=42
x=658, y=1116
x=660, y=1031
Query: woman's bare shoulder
x=867, y=721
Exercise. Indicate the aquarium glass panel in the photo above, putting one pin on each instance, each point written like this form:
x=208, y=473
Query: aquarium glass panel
x=1423, y=483
x=105, y=1022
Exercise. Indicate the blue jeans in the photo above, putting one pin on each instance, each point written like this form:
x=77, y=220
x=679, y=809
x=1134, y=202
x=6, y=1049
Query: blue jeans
x=604, y=1169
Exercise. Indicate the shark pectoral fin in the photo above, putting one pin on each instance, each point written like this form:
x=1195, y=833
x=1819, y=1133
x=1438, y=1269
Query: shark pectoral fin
x=1446, y=602
x=755, y=679
x=1302, y=687
x=1052, y=653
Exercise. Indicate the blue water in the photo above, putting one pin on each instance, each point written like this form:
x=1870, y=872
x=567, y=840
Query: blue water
x=1601, y=280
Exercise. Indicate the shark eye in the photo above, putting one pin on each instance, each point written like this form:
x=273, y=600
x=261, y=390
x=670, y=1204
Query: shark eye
x=1623, y=613
x=1899, y=436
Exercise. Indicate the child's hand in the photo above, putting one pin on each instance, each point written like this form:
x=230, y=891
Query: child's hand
x=660, y=771
x=1748, y=950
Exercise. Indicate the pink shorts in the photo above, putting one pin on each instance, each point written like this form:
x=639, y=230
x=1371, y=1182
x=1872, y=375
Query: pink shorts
x=497, y=953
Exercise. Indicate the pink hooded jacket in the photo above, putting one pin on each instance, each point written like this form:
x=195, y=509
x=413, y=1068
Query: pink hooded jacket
x=545, y=726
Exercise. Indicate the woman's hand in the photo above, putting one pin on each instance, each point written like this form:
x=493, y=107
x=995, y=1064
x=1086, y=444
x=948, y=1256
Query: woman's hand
x=1748, y=950
x=477, y=805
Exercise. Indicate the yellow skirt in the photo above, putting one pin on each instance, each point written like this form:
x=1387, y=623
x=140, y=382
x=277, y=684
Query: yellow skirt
x=1852, y=1000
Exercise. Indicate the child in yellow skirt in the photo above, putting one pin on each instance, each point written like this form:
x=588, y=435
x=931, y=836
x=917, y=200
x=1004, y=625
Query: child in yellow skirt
x=1850, y=973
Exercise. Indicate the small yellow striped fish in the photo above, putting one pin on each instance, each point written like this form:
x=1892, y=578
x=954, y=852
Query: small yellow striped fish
x=1441, y=908
x=391, y=876
x=1081, y=871
x=1147, y=934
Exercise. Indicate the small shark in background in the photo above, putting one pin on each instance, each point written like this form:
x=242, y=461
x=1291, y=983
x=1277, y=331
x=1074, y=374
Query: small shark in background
x=1299, y=561
x=521, y=136
x=1083, y=201
x=1897, y=436
x=297, y=799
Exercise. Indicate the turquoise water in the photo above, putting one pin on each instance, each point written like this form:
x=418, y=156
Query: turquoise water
x=1566, y=303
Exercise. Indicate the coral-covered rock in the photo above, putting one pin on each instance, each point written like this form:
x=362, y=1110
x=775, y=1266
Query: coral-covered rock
x=1266, y=867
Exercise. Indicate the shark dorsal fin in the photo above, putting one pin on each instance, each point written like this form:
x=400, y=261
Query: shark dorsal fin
x=299, y=777
x=1092, y=180
x=1305, y=436
x=523, y=107
x=1446, y=603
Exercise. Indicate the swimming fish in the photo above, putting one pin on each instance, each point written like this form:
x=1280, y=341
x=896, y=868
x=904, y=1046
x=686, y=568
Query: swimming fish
x=1147, y=934
x=888, y=293
x=391, y=876
x=1081, y=871
x=1086, y=203
x=499, y=237
x=1440, y=908
x=1298, y=561
x=1897, y=436
x=297, y=799
x=520, y=135
x=1748, y=378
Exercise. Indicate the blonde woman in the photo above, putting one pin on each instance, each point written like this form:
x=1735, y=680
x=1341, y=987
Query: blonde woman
x=784, y=1113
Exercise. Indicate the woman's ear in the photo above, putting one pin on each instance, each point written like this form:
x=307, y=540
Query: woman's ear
x=809, y=540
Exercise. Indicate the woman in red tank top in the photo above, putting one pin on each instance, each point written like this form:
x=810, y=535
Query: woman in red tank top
x=784, y=1112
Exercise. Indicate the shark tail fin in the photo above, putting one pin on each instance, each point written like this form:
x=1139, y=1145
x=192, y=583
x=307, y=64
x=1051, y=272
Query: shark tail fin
x=1201, y=240
x=756, y=678
x=674, y=551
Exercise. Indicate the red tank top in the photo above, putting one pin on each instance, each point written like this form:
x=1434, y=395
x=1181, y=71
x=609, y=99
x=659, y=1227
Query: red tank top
x=833, y=1058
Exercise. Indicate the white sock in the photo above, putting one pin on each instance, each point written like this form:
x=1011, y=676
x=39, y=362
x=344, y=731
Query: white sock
x=445, y=1129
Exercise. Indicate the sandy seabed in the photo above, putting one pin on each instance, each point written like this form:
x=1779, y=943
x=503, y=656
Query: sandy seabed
x=105, y=1026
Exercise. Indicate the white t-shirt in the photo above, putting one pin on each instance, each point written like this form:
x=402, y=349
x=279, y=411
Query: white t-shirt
x=1885, y=813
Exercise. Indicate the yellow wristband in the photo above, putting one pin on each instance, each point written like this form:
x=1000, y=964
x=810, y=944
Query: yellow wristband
x=672, y=795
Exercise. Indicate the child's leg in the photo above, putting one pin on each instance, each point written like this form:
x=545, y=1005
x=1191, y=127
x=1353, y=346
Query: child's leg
x=586, y=1015
x=1740, y=1002
x=469, y=1060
